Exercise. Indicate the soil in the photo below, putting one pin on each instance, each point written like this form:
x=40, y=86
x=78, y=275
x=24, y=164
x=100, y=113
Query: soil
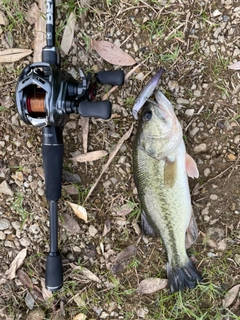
x=195, y=41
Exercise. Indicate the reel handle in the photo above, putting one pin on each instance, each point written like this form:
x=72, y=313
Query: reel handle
x=96, y=109
x=115, y=77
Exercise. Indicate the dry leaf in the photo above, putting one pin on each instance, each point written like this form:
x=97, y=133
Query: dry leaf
x=45, y=293
x=68, y=34
x=86, y=273
x=126, y=253
x=37, y=294
x=90, y=156
x=70, y=223
x=151, y=285
x=14, y=54
x=111, y=156
x=235, y=66
x=80, y=316
x=33, y=13
x=79, y=211
x=24, y=279
x=16, y=263
x=124, y=210
x=112, y=53
x=40, y=32
x=3, y=19
x=230, y=296
x=70, y=189
x=107, y=227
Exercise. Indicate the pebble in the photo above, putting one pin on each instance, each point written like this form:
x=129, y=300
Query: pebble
x=189, y=112
x=206, y=172
x=237, y=258
x=4, y=224
x=34, y=229
x=205, y=211
x=231, y=157
x=92, y=230
x=213, y=197
x=216, y=13
x=25, y=242
x=2, y=235
x=182, y=101
x=104, y=315
x=200, y=148
x=194, y=131
x=236, y=139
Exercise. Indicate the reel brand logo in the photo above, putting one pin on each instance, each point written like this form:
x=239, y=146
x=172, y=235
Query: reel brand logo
x=49, y=12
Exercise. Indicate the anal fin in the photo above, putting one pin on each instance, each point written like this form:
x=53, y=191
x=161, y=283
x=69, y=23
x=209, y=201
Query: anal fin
x=148, y=228
x=191, y=233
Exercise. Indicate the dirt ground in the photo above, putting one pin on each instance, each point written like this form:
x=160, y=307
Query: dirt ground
x=195, y=41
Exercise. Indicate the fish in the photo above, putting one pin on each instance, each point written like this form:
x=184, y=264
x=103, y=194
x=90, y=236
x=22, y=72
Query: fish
x=161, y=168
x=146, y=93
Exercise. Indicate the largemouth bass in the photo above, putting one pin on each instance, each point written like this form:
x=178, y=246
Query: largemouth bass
x=161, y=168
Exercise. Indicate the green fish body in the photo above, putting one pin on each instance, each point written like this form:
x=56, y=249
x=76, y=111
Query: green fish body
x=161, y=166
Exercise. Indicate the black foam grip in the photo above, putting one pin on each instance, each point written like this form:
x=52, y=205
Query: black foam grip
x=115, y=77
x=54, y=272
x=98, y=109
x=52, y=162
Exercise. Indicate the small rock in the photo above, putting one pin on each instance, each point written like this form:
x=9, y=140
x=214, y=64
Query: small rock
x=194, y=131
x=236, y=139
x=2, y=235
x=205, y=211
x=34, y=229
x=197, y=93
x=216, y=13
x=25, y=242
x=4, y=224
x=182, y=101
x=206, y=218
x=104, y=315
x=206, y=172
x=213, y=197
x=200, y=148
x=29, y=301
x=237, y=258
x=189, y=112
x=231, y=157
x=222, y=245
x=92, y=230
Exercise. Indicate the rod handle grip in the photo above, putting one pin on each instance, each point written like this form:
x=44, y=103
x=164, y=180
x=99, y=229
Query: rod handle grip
x=54, y=272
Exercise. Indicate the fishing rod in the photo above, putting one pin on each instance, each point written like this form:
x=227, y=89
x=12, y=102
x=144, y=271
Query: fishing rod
x=45, y=96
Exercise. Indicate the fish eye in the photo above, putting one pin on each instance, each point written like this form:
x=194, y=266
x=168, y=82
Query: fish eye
x=147, y=115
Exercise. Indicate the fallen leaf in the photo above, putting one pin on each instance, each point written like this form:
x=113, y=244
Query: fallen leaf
x=126, y=253
x=86, y=273
x=40, y=32
x=80, y=316
x=112, y=53
x=124, y=210
x=71, y=177
x=70, y=189
x=45, y=293
x=3, y=19
x=107, y=227
x=79, y=211
x=33, y=13
x=68, y=34
x=14, y=54
x=235, y=66
x=111, y=156
x=90, y=156
x=230, y=296
x=16, y=264
x=24, y=279
x=37, y=294
x=151, y=285
x=70, y=223
x=5, y=188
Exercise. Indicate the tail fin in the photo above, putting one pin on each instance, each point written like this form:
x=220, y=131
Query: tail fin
x=183, y=277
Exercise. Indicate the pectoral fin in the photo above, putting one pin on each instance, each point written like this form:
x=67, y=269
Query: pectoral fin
x=170, y=173
x=148, y=228
x=191, y=233
x=191, y=167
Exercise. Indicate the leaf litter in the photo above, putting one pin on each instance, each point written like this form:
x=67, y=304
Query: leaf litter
x=16, y=264
x=79, y=211
x=151, y=285
x=112, y=53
